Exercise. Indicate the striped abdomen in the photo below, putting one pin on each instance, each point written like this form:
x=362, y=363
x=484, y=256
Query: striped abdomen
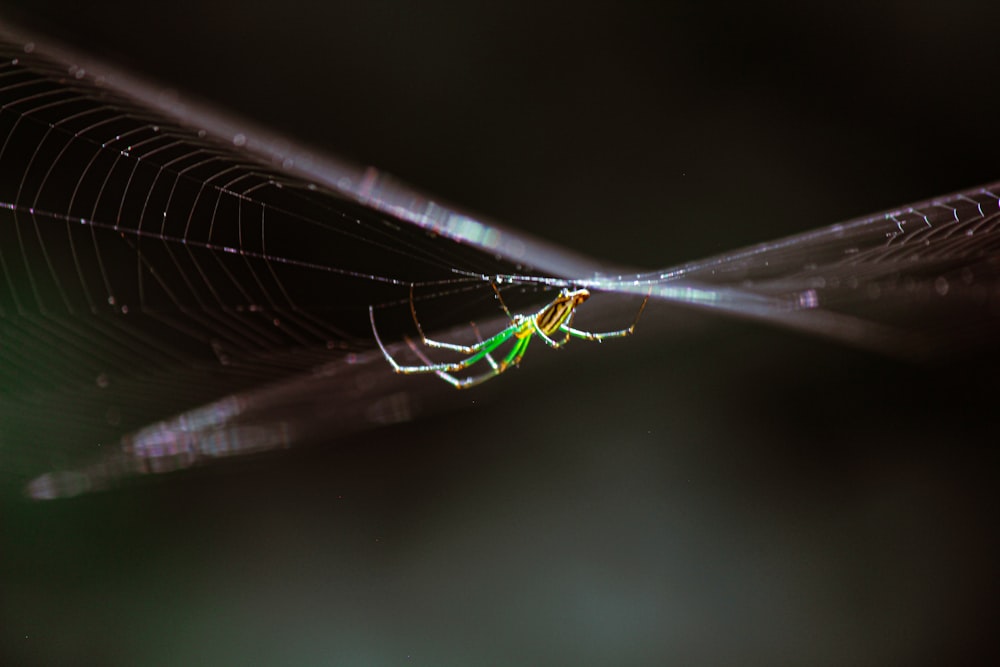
x=556, y=313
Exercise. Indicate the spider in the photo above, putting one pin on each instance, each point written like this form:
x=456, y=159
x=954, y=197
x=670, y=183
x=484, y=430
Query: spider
x=551, y=320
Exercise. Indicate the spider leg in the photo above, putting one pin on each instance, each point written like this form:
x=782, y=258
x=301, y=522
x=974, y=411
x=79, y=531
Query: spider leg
x=513, y=358
x=453, y=366
x=464, y=349
x=590, y=335
x=483, y=349
x=479, y=338
x=502, y=304
x=549, y=341
x=450, y=379
x=621, y=333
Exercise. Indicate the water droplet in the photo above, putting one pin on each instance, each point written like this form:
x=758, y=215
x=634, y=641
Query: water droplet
x=808, y=299
x=29, y=47
x=111, y=300
x=239, y=140
x=941, y=285
x=103, y=381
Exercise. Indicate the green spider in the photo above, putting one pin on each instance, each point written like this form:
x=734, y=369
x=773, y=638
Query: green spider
x=554, y=318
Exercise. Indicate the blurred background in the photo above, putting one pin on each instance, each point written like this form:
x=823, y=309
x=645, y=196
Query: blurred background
x=717, y=493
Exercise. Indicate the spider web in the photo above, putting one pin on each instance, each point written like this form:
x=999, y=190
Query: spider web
x=150, y=267
x=186, y=288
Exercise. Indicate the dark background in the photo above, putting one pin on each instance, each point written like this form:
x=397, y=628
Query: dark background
x=718, y=493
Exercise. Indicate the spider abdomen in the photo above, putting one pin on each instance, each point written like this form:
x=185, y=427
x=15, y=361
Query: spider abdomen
x=554, y=315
